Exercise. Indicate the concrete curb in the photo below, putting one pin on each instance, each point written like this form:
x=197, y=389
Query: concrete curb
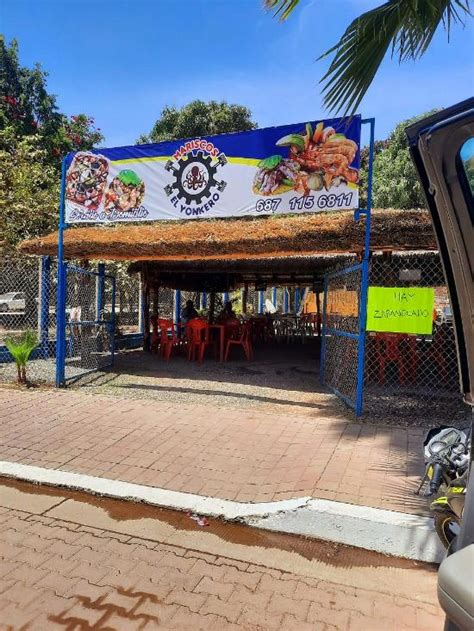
x=388, y=532
x=213, y=507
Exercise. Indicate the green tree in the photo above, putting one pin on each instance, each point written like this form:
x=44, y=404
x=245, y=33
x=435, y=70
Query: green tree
x=199, y=118
x=379, y=145
x=28, y=109
x=404, y=27
x=29, y=189
x=34, y=136
x=395, y=183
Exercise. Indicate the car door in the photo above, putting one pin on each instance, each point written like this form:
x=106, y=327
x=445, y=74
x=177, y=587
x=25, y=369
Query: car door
x=442, y=148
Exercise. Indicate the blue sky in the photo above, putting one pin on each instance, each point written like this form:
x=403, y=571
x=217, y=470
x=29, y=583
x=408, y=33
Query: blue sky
x=121, y=61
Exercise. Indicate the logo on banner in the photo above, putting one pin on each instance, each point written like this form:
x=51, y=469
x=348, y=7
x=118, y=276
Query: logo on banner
x=196, y=187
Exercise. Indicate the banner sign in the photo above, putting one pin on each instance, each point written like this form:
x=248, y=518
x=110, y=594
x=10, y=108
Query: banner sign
x=308, y=167
x=342, y=302
x=400, y=310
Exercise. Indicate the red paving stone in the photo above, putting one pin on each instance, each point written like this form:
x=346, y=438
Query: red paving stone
x=247, y=455
x=144, y=585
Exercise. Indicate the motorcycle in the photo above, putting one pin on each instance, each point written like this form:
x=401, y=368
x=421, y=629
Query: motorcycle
x=446, y=455
x=448, y=510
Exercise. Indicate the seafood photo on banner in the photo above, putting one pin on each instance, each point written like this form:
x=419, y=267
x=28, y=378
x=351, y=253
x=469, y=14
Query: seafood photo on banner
x=86, y=179
x=125, y=192
x=317, y=159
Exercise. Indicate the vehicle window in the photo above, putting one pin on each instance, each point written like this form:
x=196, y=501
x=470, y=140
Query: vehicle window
x=467, y=164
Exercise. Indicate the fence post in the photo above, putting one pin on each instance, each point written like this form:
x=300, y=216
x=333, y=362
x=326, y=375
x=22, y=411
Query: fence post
x=100, y=291
x=322, y=373
x=297, y=299
x=285, y=300
x=203, y=300
x=61, y=291
x=226, y=297
x=364, y=285
x=177, y=306
x=45, y=290
x=112, y=317
x=141, y=319
x=274, y=298
x=260, y=302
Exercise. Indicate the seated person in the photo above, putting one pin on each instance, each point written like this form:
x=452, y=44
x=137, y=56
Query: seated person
x=227, y=313
x=189, y=312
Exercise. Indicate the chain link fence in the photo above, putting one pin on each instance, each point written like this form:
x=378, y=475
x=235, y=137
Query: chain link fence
x=28, y=303
x=28, y=294
x=341, y=325
x=412, y=376
x=89, y=322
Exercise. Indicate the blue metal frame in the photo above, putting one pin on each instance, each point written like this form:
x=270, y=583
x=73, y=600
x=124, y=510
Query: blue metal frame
x=177, y=306
x=285, y=300
x=357, y=405
x=112, y=320
x=261, y=295
x=274, y=297
x=61, y=292
x=297, y=299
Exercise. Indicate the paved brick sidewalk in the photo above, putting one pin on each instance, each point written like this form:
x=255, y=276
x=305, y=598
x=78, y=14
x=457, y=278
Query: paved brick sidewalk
x=244, y=455
x=61, y=575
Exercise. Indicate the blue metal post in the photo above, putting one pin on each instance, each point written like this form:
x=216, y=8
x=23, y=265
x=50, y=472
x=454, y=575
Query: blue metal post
x=297, y=299
x=274, y=297
x=44, y=305
x=61, y=295
x=226, y=297
x=364, y=285
x=204, y=300
x=100, y=291
x=177, y=306
x=322, y=368
x=260, y=301
x=141, y=306
x=285, y=300
x=112, y=318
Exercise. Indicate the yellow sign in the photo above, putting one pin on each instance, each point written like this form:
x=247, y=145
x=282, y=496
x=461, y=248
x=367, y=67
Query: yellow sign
x=401, y=310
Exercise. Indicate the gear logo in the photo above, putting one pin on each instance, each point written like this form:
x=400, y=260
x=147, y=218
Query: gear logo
x=195, y=176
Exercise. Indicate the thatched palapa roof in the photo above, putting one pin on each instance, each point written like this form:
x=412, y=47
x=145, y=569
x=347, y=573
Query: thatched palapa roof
x=231, y=239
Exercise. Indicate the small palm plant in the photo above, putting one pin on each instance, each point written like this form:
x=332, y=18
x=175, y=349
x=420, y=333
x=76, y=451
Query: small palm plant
x=20, y=349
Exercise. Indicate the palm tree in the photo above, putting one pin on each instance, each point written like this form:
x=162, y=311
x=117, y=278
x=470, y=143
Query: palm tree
x=406, y=27
x=20, y=349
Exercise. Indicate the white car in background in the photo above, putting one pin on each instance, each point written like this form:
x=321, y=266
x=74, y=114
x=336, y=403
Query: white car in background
x=12, y=301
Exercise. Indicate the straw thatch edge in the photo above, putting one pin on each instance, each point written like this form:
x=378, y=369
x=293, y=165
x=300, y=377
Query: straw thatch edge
x=277, y=236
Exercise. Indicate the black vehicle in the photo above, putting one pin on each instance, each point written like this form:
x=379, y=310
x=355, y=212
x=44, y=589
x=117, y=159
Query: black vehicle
x=442, y=148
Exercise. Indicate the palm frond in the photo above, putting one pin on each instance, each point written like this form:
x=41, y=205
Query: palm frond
x=21, y=347
x=282, y=8
x=406, y=27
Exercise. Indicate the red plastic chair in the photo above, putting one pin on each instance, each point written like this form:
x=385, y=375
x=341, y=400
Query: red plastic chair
x=243, y=340
x=198, y=336
x=387, y=349
x=168, y=338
